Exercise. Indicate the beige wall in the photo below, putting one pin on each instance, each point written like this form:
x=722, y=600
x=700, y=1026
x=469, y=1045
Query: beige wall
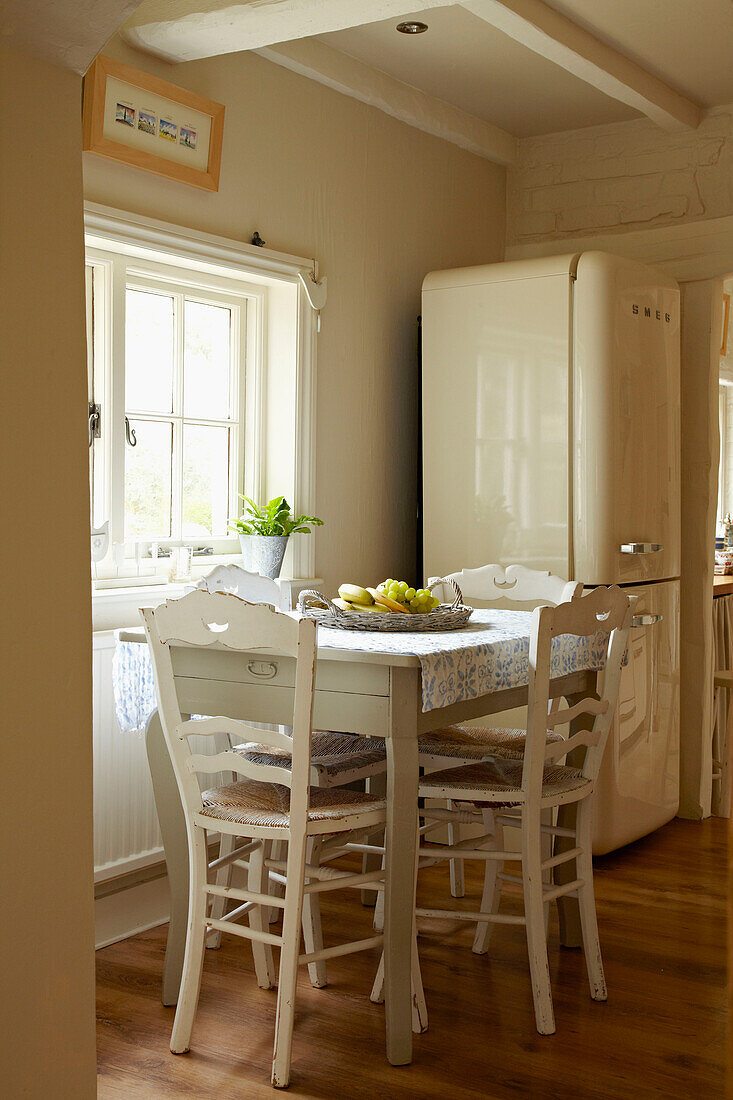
x=46, y=957
x=379, y=204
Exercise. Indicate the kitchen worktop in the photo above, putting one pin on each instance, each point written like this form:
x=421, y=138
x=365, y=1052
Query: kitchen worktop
x=722, y=586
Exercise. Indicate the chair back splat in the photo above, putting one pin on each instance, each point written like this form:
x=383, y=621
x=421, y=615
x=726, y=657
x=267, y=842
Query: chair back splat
x=253, y=587
x=605, y=611
x=514, y=584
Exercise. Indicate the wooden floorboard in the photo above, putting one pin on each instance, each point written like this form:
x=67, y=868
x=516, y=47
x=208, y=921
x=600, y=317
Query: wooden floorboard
x=662, y=915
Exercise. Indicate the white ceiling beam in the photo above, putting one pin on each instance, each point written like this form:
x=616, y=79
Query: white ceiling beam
x=552, y=35
x=192, y=29
x=345, y=74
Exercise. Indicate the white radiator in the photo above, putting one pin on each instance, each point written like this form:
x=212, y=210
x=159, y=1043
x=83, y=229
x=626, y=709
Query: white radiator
x=126, y=831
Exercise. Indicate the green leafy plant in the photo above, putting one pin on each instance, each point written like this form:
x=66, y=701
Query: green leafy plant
x=273, y=518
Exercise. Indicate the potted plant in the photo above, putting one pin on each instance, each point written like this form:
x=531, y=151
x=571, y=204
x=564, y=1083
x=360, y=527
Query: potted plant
x=264, y=534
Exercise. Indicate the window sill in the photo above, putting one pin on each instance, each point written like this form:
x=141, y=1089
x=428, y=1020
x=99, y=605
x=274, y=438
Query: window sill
x=119, y=608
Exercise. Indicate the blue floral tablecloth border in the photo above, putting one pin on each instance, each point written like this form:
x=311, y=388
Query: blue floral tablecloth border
x=490, y=654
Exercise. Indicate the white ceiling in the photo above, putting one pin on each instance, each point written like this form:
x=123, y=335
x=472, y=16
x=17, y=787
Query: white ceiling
x=688, y=43
x=467, y=62
x=555, y=65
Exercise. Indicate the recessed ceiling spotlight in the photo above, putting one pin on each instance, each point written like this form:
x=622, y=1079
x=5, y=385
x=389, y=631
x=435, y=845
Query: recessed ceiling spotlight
x=412, y=26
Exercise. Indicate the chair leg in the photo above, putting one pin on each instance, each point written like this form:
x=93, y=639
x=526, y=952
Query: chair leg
x=457, y=880
x=492, y=884
x=193, y=959
x=378, y=922
x=279, y=850
x=587, y=902
x=289, y=952
x=258, y=880
x=377, y=994
x=376, y=785
x=312, y=935
x=535, y=921
x=227, y=844
x=546, y=848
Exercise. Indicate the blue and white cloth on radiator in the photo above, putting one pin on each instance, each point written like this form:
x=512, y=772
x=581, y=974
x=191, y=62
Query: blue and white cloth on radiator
x=491, y=653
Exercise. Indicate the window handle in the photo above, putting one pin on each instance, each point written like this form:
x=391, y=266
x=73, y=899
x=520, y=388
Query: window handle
x=95, y=422
x=130, y=435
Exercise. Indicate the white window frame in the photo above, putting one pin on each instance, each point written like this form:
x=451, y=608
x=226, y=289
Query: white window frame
x=278, y=449
x=114, y=273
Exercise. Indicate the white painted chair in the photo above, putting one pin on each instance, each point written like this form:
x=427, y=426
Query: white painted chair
x=490, y=584
x=516, y=793
x=337, y=759
x=270, y=802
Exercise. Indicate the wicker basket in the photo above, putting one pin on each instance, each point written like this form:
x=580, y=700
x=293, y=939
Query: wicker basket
x=448, y=616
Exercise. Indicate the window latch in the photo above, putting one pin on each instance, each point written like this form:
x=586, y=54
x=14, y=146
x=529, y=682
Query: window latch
x=130, y=434
x=95, y=422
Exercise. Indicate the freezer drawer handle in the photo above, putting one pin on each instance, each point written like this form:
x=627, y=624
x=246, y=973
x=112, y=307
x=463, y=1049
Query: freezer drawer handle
x=640, y=547
x=646, y=620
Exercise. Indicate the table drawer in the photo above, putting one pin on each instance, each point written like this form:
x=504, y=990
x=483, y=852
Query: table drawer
x=348, y=712
x=354, y=677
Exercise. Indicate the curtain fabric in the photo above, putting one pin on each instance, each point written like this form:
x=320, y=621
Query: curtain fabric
x=722, y=734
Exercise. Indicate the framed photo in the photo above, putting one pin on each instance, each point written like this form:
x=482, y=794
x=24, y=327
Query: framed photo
x=141, y=120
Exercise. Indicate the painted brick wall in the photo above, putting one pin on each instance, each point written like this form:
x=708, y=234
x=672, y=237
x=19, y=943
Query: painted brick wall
x=623, y=176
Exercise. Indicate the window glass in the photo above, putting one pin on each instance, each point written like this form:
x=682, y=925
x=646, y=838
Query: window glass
x=205, y=481
x=148, y=479
x=206, y=359
x=149, y=349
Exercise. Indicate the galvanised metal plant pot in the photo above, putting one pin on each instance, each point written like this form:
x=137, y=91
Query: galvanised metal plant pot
x=263, y=554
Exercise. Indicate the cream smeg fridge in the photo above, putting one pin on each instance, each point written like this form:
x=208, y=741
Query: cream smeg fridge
x=550, y=427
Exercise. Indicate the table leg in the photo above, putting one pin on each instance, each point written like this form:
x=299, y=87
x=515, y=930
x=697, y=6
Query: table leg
x=173, y=829
x=401, y=855
x=568, y=908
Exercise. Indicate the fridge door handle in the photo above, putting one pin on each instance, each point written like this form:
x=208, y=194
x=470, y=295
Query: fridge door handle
x=640, y=547
x=646, y=620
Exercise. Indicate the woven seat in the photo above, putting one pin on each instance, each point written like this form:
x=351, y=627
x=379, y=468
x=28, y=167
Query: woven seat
x=268, y=804
x=476, y=743
x=499, y=782
x=331, y=753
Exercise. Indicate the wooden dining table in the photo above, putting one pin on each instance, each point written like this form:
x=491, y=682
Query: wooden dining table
x=372, y=689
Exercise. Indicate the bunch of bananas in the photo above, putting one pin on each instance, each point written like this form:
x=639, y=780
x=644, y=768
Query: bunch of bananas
x=390, y=595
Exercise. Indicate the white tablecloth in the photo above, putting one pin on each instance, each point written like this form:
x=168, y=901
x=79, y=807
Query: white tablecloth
x=490, y=654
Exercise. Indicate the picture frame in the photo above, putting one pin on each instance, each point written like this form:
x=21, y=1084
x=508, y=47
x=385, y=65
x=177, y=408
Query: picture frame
x=726, y=324
x=141, y=120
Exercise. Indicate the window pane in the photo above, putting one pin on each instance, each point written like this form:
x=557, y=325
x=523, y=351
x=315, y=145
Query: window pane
x=206, y=360
x=148, y=481
x=205, y=481
x=148, y=352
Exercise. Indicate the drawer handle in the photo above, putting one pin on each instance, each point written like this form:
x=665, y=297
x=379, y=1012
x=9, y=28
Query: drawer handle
x=641, y=547
x=263, y=670
x=646, y=620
